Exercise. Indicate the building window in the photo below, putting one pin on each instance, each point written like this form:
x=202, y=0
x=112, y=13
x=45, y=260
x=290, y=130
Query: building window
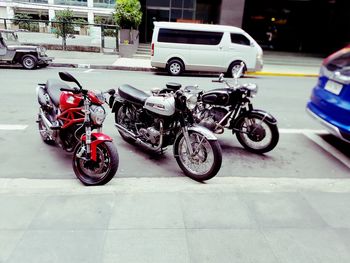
x=71, y=2
x=104, y=3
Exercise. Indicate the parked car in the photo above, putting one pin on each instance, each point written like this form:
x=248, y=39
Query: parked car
x=178, y=47
x=330, y=98
x=13, y=52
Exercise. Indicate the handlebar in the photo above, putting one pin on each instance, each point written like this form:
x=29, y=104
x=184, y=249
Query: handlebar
x=74, y=90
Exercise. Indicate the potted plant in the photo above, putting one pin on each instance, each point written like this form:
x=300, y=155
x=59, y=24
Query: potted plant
x=128, y=17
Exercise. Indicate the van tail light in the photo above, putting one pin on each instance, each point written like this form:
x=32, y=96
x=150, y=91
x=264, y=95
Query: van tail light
x=152, y=51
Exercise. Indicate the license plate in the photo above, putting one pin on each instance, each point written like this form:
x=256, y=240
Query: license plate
x=333, y=87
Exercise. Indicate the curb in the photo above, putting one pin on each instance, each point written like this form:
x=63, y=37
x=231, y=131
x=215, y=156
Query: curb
x=110, y=67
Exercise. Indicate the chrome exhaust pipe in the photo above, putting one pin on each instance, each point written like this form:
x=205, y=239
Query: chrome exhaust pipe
x=46, y=122
x=139, y=141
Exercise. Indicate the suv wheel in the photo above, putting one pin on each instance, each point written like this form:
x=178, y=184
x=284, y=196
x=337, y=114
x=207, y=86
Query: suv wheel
x=175, y=67
x=29, y=62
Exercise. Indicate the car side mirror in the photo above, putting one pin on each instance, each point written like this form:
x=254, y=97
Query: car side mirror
x=69, y=78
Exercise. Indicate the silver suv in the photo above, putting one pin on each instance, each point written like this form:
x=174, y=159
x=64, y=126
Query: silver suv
x=13, y=52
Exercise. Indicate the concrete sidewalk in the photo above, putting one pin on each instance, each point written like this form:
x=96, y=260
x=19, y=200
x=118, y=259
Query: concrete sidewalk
x=275, y=63
x=175, y=220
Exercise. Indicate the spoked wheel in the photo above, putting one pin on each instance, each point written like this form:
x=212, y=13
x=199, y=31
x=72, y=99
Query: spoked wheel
x=97, y=172
x=257, y=135
x=44, y=133
x=205, y=161
x=123, y=117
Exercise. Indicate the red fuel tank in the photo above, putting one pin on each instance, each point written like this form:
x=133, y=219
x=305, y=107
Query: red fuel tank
x=69, y=100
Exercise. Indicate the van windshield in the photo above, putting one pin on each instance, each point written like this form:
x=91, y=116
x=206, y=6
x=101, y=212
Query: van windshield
x=189, y=37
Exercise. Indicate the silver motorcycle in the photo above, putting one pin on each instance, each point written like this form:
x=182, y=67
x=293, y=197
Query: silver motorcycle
x=163, y=119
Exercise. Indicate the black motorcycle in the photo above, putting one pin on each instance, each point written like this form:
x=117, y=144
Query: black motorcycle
x=160, y=120
x=231, y=108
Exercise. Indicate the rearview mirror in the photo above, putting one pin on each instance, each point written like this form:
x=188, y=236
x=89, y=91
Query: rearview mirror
x=69, y=78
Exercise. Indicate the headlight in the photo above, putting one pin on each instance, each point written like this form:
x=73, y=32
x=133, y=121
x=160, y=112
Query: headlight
x=253, y=88
x=191, y=101
x=41, y=51
x=98, y=114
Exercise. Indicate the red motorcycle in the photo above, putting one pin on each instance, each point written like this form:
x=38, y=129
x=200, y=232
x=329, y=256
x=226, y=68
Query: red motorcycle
x=67, y=117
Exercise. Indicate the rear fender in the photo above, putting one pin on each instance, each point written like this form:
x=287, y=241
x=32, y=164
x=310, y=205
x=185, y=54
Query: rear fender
x=265, y=116
x=96, y=139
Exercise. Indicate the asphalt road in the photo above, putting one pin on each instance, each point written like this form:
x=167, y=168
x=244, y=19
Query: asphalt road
x=300, y=153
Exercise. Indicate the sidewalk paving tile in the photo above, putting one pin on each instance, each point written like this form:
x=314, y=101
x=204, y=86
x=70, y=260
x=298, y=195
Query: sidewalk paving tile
x=146, y=246
x=17, y=212
x=282, y=210
x=229, y=245
x=75, y=212
x=54, y=246
x=307, y=245
x=333, y=207
x=9, y=240
x=216, y=210
x=145, y=211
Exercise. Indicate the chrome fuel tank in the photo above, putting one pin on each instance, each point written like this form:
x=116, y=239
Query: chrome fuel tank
x=160, y=105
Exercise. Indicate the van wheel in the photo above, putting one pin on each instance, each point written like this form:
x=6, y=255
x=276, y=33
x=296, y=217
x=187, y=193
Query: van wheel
x=175, y=67
x=233, y=69
x=29, y=62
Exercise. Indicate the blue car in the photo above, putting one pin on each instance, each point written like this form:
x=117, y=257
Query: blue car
x=330, y=98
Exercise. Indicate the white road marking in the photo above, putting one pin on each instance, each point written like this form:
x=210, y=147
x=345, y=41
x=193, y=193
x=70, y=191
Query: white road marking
x=302, y=131
x=329, y=148
x=88, y=71
x=12, y=127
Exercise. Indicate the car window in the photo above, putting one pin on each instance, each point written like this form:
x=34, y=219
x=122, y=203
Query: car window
x=341, y=63
x=239, y=39
x=189, y=37
x=10, y=37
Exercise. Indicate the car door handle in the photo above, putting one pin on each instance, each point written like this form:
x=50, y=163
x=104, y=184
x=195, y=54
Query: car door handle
x=221, y=47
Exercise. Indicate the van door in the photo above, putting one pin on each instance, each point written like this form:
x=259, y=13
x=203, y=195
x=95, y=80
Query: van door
x=206, y=51
x=239, y=48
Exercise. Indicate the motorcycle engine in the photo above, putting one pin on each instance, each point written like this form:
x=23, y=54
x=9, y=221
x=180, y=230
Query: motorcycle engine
x=211, y=117
x=151, y=134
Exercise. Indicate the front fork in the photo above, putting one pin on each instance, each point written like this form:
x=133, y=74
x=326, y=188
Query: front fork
x=90, y=140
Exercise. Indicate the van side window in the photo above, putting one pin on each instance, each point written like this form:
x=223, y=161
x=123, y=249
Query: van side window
x=189, y=37
x=239, y=39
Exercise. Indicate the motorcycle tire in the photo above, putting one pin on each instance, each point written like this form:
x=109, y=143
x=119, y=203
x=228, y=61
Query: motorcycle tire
x=43, y=132
x=208, y=147
x=119, y=118
x=97, y=172
x=260, y=130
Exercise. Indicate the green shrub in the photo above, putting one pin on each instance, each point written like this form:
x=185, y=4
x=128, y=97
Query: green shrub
x=128, y=13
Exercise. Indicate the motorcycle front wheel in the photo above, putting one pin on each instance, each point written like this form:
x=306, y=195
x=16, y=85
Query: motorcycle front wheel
x=206, y=160
x=97, y=172
x=256, y=134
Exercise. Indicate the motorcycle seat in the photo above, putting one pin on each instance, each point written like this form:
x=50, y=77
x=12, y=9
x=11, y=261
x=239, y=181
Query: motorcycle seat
x=53, y=87
x=133, y=94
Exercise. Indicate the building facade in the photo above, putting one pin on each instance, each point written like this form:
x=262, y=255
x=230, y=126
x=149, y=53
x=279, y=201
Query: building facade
x=291, y=25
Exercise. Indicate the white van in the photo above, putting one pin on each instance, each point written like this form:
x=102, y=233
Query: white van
x=202, y=47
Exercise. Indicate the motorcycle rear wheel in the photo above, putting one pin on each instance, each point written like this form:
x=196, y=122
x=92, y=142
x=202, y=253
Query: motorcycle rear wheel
x=258, y=135
x=97, y=172
x=205, y=164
